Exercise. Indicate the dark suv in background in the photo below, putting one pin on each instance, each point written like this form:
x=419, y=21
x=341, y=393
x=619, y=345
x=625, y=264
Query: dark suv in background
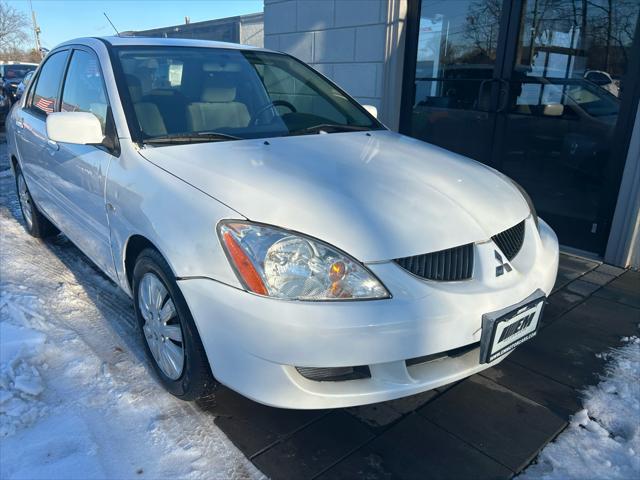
x=11, y=74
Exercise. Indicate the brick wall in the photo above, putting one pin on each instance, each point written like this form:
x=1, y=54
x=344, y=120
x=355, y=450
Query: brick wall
x=343, y=39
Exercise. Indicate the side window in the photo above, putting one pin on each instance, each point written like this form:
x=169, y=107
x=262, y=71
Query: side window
x=84, y=87
x=46, y=91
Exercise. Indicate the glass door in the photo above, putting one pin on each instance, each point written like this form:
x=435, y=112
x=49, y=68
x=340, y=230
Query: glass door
x=453, y=73
x=533, y=88
x=556, y=136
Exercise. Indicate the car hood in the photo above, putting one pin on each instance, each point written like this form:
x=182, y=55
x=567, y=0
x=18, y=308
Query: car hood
x=376, y=195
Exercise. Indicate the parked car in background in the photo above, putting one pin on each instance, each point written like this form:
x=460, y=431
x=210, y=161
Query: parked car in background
x=12, y=74
x=604, y=81
x=274, y=235
x=22, y=86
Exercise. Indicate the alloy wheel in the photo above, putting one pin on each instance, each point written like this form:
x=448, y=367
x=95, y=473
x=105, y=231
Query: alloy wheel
x=162, y=329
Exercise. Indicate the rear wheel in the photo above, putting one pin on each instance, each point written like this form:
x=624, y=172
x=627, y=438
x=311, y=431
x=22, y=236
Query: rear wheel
x=170, y=336
x=35, y=222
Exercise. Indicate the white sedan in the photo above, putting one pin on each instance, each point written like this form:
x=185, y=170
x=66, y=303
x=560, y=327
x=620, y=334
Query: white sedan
x=275, y=237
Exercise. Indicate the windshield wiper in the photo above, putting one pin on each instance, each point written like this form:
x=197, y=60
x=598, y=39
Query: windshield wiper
x=191, y=138
x=329, y=127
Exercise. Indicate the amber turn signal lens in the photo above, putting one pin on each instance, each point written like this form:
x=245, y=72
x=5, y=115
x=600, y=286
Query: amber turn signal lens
x=337, y=271
x=244, y=266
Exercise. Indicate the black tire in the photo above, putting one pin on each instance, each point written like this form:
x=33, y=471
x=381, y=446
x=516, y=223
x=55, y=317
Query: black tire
x=39, y=226
x=196, y=380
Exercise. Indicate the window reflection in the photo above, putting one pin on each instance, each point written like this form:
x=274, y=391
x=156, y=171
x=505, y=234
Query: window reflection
x=578, y=39
x=569, y=73
x=457, y=45
x=456, y=33
x=548, y=116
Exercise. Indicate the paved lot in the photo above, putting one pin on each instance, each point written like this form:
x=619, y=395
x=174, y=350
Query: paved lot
x=488, y=426
x=491, y=425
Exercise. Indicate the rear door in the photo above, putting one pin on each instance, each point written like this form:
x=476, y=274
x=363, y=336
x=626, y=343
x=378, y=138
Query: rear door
x=79, y=171
x=31, y=134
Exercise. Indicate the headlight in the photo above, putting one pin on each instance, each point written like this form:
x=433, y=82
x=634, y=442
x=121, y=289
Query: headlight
x=276, y=263
x=526, y=196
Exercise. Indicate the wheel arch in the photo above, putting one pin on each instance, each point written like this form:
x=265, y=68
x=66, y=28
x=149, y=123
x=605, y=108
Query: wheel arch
x=15, y=164
x=135, y=245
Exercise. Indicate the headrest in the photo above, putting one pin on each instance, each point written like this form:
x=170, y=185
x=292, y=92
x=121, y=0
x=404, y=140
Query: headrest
x=135, y=88
x=221, y=67
x=218, y=94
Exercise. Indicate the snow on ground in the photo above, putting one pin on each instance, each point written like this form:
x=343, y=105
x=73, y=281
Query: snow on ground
x=77, y=396
x=603, y=439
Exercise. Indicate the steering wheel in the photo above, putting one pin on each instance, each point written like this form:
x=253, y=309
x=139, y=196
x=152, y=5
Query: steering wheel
x=275, y=103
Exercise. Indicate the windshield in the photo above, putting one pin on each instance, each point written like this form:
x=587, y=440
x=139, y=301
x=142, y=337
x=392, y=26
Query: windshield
x=17, y=72
x=189, y=93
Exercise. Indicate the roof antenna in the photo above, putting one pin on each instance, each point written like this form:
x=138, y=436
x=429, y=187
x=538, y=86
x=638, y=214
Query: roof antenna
x=111, y=23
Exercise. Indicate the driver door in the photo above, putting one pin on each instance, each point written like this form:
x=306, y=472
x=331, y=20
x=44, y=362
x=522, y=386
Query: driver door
x=80, y=171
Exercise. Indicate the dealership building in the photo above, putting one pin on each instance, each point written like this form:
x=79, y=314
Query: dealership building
x=244, y=29
x=545, y=91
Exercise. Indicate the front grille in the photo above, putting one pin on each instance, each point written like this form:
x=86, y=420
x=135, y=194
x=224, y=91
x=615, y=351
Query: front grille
x=446, y=265
x=510, y=241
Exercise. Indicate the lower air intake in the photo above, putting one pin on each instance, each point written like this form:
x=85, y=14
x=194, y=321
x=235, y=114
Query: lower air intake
x=335, y=374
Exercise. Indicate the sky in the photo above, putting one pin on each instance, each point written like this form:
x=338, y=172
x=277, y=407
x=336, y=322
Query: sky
x=63, y=20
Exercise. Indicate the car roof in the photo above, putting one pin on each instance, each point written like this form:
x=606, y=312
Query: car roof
x=118, y=41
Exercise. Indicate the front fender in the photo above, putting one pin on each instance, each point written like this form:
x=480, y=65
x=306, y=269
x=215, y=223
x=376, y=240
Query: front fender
x=143, y=199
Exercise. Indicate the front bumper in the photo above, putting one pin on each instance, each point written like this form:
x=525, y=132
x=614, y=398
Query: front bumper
x=254, y=343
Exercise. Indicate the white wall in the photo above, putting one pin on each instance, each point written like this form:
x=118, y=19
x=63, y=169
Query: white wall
x=343, y=39
x=252, y=31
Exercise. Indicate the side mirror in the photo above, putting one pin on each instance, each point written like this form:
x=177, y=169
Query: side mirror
x=371, y=109
x=81, y=128
x=553, y=110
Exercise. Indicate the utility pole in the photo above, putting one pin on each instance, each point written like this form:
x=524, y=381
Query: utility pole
x=36, y=31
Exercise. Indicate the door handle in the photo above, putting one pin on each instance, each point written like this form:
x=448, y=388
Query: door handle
x=19, y=126
x=503, y=95
x=51, y=145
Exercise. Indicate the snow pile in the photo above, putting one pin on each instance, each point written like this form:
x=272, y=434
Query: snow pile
x=603, y=439
x=20, y=381
x=77, y=395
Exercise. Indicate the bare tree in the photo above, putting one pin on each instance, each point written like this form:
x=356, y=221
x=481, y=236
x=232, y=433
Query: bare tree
x=482, y=24
x=14, y=26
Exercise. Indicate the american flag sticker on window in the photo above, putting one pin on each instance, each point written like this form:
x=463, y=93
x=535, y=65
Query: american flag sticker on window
x=45, y=104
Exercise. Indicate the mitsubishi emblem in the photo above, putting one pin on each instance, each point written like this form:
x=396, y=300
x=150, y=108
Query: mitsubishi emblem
x=502, y=266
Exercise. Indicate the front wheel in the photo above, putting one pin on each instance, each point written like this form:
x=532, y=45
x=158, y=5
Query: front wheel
x=171, y=339
x=35, y=222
